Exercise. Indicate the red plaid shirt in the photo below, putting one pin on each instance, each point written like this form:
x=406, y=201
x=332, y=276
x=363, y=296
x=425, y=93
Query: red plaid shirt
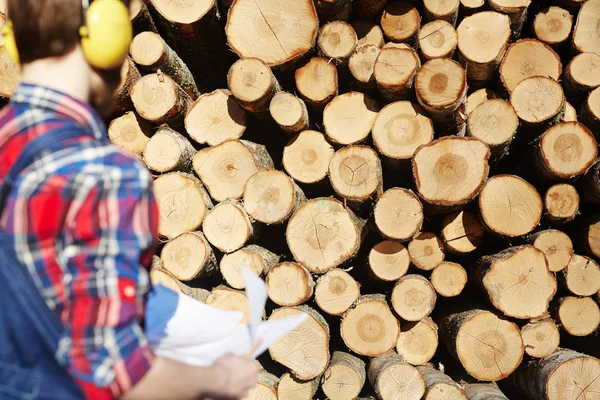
x=84, y=222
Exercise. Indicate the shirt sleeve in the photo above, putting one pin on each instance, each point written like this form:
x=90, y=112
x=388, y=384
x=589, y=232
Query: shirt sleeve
x=110, y=234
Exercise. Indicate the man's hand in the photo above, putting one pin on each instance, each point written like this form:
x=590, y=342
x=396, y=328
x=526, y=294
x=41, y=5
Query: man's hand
x=236, y=377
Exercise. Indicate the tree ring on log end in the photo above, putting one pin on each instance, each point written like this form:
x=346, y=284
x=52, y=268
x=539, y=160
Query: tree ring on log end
x=398, y=214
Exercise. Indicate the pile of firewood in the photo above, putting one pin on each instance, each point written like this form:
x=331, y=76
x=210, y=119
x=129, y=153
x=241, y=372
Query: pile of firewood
x=419, y=177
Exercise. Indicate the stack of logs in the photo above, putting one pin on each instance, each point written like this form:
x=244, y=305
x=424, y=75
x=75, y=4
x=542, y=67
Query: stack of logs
x=403, y=172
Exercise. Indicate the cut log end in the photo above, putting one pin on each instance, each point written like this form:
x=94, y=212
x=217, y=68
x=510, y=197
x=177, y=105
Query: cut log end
x=289, y=112
x=345, y=377
x=581, y=75
x=355, y=174
x=426, y=251
x=392, y=378
x=538, y=100
x=418, y=341
x=389, y=260
x=290, y=388
x=159, y=99
x=394, y=71
x=368, y=32
x=586, y=36
x=265, y=389
x=348, y=118
x=188, y=256
x=437, y=39
x=462, y=232
x=130, y=132
x=255, y=259
x=449, y=279
x=441, y=86
x=271, y=197
x=317, y=81
x=307, y=156
x=362, y=65
x=439, y=386
x=578, y=316
x=590, y=111
x=252, y=82
x=395, y=206
x=337, y=40
x=413, y=297
x=336, y=291
x=541, y=338
x=582, y=276
x=289, y=284
x=561, y=203
x=556, y=246
x=553, y=25
x=444, y=10
x=228, y=299
x=478, y=97
x=228, y=227
x=400, y=22
x=167, y=151
x=495, y=123
x=484, y=391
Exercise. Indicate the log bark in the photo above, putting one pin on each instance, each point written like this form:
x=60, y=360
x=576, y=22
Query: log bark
x=290, y=388
x=123, y=95
x=336, y=291
x=345, y=377
x=591, y=182
x=510, y=206
x=182, y=203
x=564, y=374
x=553, y=26
x=388, y=260
x=368, y=32
x=485, y=354
x=539, y=102
x=441, y=10
x=426, y=251
x=337, y=41
x=451, y=171
x=581, y=276
x=515, y=9
x=228, y=299
x=541, y=337
x=256, y=259
x=253, y=84
x=228, y=226
x=349, y=118
x=323, y=234
x=418, y=341
x=578, y=316
x=168, y=150
x=226, y=168
x=495, y=123
x=130, y=132
x=215, y=118
x=289, y=112
x=141, y=20
x=439, y=386
x=590, y=235
x=556, y=246
x=462, y=232
x=189, y=256
x=289, y=284
x=369, y=328
x=398, y=204
x=305, y=350
x=581, y=76
x=484, y=391
x=437, y=39
x=413, y=297
x=401, y=22
x=590, y=112
x=383, y=373
x=265, y=389
x=517, y=281
x=333, y=10
x=561, y=203
x=307, y=156
x=449, y=279
x=151, y=53
x=362, y=65
x=395, y=71
x=586, y=37
x=317, y=82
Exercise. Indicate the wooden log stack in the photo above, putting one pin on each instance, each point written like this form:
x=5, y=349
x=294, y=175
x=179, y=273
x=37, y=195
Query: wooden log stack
x=421, y=179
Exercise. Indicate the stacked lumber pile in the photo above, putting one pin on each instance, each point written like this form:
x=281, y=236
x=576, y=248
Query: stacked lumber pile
x=420, y=178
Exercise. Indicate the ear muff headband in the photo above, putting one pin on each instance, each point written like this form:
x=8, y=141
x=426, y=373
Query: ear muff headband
x=105, y=35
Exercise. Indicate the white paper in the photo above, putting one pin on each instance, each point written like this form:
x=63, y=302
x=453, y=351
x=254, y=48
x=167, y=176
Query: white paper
x=256, y=292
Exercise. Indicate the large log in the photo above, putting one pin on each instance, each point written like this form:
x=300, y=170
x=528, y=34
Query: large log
x=578, y=316
x=581, y=76
x=586, y=37
x=553, y=26
x=591, y=182
x=590, y=235
x=539, y=102
x=228, y=299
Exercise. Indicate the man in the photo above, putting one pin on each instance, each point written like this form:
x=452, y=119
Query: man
x=83, y=221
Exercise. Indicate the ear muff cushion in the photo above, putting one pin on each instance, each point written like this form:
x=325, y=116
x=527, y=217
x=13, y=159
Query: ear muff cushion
x=9, y=43
x=107, y=35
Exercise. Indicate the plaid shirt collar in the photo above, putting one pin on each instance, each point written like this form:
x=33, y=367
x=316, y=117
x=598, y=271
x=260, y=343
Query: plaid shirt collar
x=62, y=104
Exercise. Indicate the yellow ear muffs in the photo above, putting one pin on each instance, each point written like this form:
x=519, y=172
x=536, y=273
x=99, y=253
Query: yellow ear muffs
x=106, y=34
x=10, y=45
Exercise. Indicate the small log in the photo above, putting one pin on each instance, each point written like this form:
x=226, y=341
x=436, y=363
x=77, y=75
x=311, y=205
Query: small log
x=369, y=328
x=215, y=118
x=252, y=83
x=305, y=350
x=130, y=132
x=478, y=97
x=398, y=215
x=564, y=374
x=561, y=203
x=553, y=26
x=323, y=234
x=495, y=123
x=261, y=30
x=141, y=20
x=462, y=232
x=336, y=291
x=426, y=251
x=483, y=391
x=333, y=10
x=265, y=389
x=317, y=82
x=441, y=10
x=369, y=9
x=362, y=66
x=482, y=41
x=582, y=76
x=413, y=297
x=384, y=372
x=586, y=37
x=356, y=175
x=515, y=9
x=470, y=7
x=168, y=150
x=570, y=114
x=368, y=32
x=399, y=130
x=591, y=182
x=337, y=41
x=510, y=206
x=226, y=168
x=182, y=203
x=290, y=388
x=151, y=53
x=189, y=256
x=159, y=275
x=228, y=227
x=345, y=377
x=289, y=284
x=556, y=246
x=418, y=341
x=449, y=279
x=307, y=156
x=439, y=386
x=256, y=259
x=271, y=197
x=157, y=98
x=228, y=299
x=590, y=112
x=582, y=276
x=517, y=281
x=388, y=260
x=441, y=88
x=395, y=71
x=400, y=22
x=486, y=354
x=539, y=102
x=289, y=112
x=578, y=316
x=437, y=39
x=450, y=172
x=541, y=337
x=526, y=58
x=590, y=235
x=349, y=118
x=123, y=94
